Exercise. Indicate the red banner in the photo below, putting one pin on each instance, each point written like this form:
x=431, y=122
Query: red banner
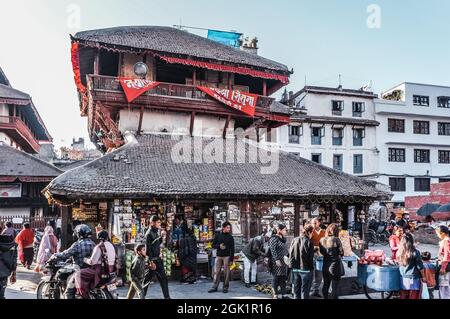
x=241, y=101
x=134, y=88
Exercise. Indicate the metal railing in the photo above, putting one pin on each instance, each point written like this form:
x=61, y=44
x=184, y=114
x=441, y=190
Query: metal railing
x=38, y=223
x=112, y=84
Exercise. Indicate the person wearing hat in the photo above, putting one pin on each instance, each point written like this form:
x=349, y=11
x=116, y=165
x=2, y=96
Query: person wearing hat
x=278, y=250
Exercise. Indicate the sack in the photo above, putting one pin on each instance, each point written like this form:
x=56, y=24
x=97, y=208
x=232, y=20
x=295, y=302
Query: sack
x=425, y=294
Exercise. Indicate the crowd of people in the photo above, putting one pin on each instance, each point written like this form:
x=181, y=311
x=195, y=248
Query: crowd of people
x=96, y=257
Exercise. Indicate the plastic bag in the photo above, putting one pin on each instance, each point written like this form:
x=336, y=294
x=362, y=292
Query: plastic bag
x=425, y=293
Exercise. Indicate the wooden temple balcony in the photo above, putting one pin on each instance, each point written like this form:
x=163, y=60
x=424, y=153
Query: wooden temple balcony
x=169, y=96
x=19, y=131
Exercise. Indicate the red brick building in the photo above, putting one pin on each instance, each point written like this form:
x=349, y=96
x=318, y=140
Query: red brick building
x=440, y=194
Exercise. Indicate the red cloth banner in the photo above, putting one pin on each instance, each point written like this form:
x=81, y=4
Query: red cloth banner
x=241, y=101
x=227, y=68
x=134, y=88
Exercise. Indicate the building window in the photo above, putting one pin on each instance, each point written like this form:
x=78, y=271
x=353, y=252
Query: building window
x=337, y=162
x=443, y=128
x=338, y=136
x=444, y=180
x=337, y=107
x=421, y=184
x=358, y=136
x=421, y=100
x=421, y=156
x=316, y=158
x=397, y=184
x=444, y=157
x=294, y=134
x=396, y=155
x=316, y=135
x=443, y=101
x=396, y=126
x=421, y=127
x=357, y=164
x=358, y=109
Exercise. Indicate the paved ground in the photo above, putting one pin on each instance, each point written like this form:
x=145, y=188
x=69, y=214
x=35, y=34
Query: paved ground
x=25, y=287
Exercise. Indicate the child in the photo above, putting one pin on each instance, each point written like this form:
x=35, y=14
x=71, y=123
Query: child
x=137, y=273
x=429, y=273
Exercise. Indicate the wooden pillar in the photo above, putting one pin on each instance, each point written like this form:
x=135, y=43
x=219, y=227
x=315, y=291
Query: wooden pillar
x=66, y=212
x=191, y=127
x=297, y=222
x=97, y=62
x=194, y=77
x=265, y=87
x=227, y=123
x=141, y=116
x=257, y=135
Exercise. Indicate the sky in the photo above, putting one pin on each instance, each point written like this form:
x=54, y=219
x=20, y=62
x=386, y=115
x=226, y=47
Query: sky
x=383, y=41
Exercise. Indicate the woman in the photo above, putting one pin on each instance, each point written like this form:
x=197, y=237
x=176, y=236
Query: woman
x=47, y=248
x=444, y=262
x=187, y=253
x=102, y=263
x=278, y=250
x=394, y=241
x=411, y=268
x=25, y=240
x=333, y=269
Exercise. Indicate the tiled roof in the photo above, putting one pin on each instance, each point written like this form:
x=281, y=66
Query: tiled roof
x=8, y=92
x=14, y=162
x=146, y=169
x=175, y=41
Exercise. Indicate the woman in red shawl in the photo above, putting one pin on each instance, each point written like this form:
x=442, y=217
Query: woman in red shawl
x=25, y=241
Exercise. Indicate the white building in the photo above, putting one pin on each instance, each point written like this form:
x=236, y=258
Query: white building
x=334, y=127
x=413, y=138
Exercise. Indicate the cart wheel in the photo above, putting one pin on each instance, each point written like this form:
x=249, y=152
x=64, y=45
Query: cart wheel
x=383, y=294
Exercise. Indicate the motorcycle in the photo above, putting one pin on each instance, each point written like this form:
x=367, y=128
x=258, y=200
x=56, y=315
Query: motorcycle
x=54, y=285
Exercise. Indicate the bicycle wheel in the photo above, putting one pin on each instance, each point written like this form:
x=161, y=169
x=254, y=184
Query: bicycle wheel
x=377, y=295
x=371, y=238
x=383, y=238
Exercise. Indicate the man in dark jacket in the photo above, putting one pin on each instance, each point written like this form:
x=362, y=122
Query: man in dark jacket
x=224, y=243
x=153, y=241
x=301, y=261
x=137, y=273
x=8, y=262
x=252, y=251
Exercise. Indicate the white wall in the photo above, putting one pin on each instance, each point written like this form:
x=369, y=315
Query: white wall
x=410, y=141
x=157, y=121
x=321, y=105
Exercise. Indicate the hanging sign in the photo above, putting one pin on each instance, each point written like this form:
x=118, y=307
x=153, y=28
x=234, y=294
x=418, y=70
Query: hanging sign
x=134, y=88
x=241, y=101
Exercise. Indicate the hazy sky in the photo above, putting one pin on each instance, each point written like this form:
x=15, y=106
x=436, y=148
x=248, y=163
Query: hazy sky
x=319, y=39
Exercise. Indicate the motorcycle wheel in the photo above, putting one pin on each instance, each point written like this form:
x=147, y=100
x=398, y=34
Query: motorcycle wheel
x=48, y=290
x=100, y=294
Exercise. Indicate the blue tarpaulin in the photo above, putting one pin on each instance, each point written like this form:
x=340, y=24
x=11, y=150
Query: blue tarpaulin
x=227, y=38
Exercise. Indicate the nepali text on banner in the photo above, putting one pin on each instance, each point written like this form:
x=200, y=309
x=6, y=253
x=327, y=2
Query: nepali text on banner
x=241, y=101
x=134, y=88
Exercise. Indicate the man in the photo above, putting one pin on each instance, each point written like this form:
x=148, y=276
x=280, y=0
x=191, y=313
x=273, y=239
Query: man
x=8, y=262
x=9, y=230
x=79, y=250
x=153, y=241
x=252, y=251
x=301, y=261
x=224, y=243
x=403, y=223
x=137, y=273
x=317, y=234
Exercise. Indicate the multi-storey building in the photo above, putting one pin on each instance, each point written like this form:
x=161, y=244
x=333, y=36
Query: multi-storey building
x=334, y=127
x=413, y=138
x=22, y=175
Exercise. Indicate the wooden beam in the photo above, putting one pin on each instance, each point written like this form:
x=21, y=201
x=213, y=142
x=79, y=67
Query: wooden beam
x=265, y=87
x=141, y=116
x=227, y=123
x=297, y=218
x=191, y=127
x=97, y=63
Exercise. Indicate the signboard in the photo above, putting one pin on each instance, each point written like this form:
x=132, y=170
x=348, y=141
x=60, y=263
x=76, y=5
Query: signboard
x=241, y=101
x=134, y=88
x=10, y=190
